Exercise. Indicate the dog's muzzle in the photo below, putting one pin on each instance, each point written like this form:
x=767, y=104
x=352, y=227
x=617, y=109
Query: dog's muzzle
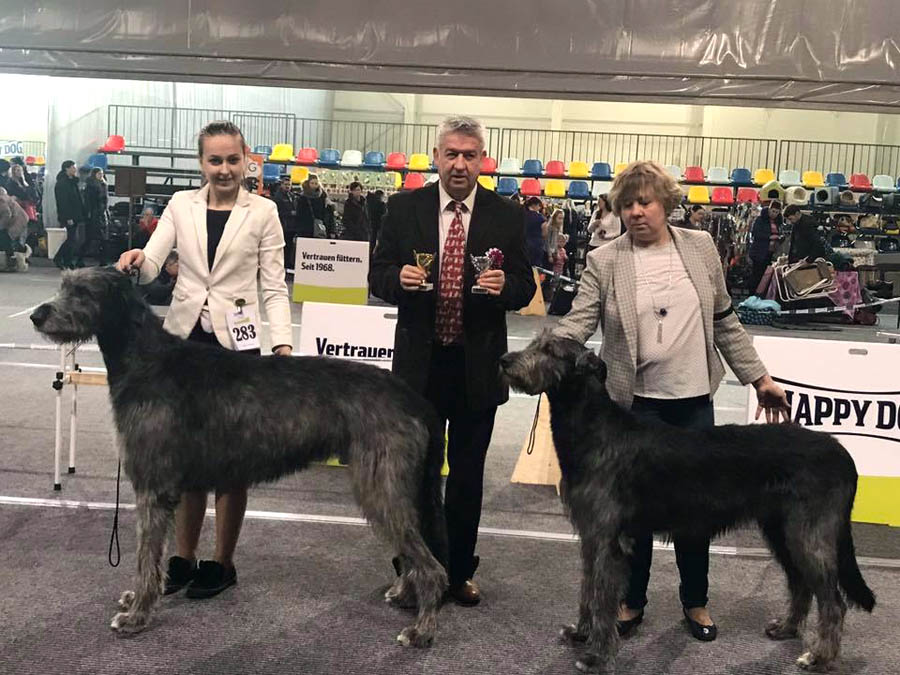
x=40, y=315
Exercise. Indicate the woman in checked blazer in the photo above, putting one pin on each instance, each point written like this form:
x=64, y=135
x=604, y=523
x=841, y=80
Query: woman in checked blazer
x=659, y=296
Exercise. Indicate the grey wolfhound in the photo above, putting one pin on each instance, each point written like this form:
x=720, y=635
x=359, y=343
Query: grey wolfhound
x=192, y=417
x=621, y=476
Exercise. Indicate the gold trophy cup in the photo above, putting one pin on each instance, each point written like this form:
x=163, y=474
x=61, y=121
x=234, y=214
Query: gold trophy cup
x=424, y=261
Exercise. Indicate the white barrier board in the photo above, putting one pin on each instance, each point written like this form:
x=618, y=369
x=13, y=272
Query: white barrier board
x=360, y=333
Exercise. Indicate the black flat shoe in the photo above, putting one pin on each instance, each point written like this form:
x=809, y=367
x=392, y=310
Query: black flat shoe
x=699, y=631
x=625, y=627
x=211, y=579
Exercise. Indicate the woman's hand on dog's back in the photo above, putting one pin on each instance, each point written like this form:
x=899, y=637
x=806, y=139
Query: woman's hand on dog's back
x=130, y=260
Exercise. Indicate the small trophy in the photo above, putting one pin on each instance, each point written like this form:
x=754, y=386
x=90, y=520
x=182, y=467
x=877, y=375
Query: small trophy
x=482, y=263
x=424, y=261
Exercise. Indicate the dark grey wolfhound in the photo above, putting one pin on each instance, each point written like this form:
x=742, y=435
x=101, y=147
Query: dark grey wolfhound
x=620, y=475
x=192, y=417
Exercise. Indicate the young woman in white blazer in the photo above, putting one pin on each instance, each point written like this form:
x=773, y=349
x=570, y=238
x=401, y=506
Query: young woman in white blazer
x=230, y=246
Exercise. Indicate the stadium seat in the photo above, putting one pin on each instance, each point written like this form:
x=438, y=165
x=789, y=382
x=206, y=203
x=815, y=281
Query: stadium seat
x=555, y=169
x=860, y=182
x=113, y=144
x=351, y=158
x=398, y=179
x=741, y=176
x=763, y=176
x=330, y=157
x=98, y=162
x=282, y=152
x=507, y=187
x=675, y=171
x=39, y=160
x=374, y=158
x=788, y=177
x=620, y=167
x=396, y=160
x=432, y=178
x=694, y=174
x=722, y=196
x=271, y=173
x=881, y=182
x=414, y=180
x=601, y=187
x=298, y=174
x=578, y=189
x=748, y=194
x=533, y=168
x=578, y=170
x=307, y=156
x=838, y=180
x=419, y=162
x=813, y=179
x=488, y=165
x=717, y=174
x=697, y=194
x=487, y=183
x=531, y=187
x=555, y=188
x=29, y=161
x=264, y=150
x=601, y=171
x=510, y=165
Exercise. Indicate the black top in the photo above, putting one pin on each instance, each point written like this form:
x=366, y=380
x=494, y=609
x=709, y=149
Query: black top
x=215, y=226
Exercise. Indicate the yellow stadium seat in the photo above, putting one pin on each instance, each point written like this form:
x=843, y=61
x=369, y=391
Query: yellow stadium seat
x=555, y=188
x=620, y=167
x=40, y=161
x=299, y=174
x=282, y=152
x=763, y=176
x=419, y=162
x=698, y=194
x=398, y=180
x=813, y=179
x=487, y=182
x=579, y=170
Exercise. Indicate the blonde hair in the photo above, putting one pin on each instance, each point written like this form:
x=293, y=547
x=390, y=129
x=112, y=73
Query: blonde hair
x=645, y=179
x=558, y=212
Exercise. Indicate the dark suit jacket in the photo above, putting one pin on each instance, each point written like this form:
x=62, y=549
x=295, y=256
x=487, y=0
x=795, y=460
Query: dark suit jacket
x=412, y=223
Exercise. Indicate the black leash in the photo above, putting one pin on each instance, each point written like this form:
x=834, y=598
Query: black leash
x=114, y=538
x=537, y=412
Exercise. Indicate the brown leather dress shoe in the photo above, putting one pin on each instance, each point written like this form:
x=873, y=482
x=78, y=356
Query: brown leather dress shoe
x=466, y=593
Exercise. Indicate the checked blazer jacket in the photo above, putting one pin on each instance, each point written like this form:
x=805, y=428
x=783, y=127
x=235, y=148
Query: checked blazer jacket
x=607, y=295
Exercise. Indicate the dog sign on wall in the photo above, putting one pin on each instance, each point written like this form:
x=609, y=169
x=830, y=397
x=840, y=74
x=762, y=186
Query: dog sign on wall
x=326, y=270
x=849, y=390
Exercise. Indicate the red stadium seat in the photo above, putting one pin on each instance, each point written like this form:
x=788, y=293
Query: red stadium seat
x=860, y=182
x=414, y=180
x=748, y=194
x=694, y=174
x=307, y=156
x=555, y=169
x=530, y=187
x=396, y=160
x=488, y=165
x=723, y=196
x=113, y=144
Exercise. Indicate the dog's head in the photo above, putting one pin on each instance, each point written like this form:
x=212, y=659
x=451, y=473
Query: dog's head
x=87, y=300
x=549, y=361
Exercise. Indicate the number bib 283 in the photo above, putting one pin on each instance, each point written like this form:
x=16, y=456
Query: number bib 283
x=243, y=328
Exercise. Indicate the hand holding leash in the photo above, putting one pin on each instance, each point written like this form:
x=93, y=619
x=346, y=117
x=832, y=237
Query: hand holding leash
x=131, y=261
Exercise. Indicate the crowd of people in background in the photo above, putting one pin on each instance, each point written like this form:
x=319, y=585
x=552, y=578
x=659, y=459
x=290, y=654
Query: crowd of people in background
x=20, y=198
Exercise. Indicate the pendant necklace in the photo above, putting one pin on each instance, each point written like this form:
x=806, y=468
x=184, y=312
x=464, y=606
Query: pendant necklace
x=661, y=311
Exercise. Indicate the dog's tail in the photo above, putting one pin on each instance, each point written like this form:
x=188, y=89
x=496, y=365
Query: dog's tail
x=431, y=503
x=849, y=576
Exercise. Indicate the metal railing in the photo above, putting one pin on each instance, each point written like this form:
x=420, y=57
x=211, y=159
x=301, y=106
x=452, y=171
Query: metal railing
x=845, y=158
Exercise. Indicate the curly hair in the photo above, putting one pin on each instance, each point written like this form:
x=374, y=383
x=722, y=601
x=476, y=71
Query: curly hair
x=645, y=179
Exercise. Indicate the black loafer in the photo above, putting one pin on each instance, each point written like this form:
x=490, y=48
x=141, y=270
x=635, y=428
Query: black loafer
x=212, y=578
x=699, y=631
x=625, y=627
x=181, y=572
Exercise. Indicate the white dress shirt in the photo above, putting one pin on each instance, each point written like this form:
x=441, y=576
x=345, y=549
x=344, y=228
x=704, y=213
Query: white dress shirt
x=445, y=218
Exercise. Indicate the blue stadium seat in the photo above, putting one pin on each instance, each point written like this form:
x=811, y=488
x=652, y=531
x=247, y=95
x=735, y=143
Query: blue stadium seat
x=741, y=176
x=330, y=157
x=601, y=171
x=271, y=173
x=836, y=180
x=98, y=162
x=578, y=189
x=507, y=187
x=533, y=168
x=374, y=158
x=264, y=150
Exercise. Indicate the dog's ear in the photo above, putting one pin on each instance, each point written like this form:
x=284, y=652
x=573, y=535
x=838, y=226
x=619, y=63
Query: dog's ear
x=589, y=362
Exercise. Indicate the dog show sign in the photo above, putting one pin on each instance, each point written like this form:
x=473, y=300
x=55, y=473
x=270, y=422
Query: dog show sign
x=848, y=390
x=347, y=332
x=327, y=270
x=12, y=148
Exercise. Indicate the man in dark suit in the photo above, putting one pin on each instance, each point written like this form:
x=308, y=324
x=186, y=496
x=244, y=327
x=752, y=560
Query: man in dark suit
x=449, y=340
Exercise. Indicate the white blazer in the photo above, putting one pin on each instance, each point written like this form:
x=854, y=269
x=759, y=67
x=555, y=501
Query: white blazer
x=251, y=246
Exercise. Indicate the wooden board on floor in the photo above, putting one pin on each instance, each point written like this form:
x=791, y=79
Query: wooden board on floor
x=536, y=306
x=537, y=463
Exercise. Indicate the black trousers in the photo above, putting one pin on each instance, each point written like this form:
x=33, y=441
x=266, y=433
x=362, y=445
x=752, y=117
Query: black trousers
x=71, y=248
x=691, y=554
x=469, y=435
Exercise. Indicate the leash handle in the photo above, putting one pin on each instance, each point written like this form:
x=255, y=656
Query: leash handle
x=534, y=422
x=114, y=537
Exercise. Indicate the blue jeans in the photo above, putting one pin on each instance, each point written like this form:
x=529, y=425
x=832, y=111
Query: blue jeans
x=691, y=553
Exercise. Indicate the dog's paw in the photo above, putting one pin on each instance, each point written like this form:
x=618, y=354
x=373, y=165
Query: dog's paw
x=401, y=595
x=777, y=629
x=808, y=662
x=126, y=600
x=411, y=637
x=571, y=634
x=592, y=663
x=129, y=622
